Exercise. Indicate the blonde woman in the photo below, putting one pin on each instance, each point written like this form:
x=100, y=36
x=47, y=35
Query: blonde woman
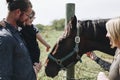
x=113, y=33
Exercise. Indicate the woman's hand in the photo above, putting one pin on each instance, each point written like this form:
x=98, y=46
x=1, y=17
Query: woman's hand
x=91, y=55
x=102, y=76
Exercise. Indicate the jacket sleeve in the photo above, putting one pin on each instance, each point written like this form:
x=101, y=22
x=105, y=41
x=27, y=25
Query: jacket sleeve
x=104, y=64
x=5, y=60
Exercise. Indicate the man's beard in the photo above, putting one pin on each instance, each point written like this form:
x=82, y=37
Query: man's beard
x=20, y=23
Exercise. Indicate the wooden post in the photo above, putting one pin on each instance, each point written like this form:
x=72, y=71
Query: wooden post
x=70, y=12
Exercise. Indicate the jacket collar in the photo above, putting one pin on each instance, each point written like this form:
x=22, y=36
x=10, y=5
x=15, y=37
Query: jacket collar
x=11, y=28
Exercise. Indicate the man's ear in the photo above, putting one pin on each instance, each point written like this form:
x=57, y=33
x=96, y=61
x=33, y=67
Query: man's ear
x=18, y=12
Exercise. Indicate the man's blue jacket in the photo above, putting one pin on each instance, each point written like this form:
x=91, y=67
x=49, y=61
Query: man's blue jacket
x=15, y=63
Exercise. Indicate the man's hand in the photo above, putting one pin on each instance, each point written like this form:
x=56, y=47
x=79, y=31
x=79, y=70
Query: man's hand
x=2, y=23
x=37, y=67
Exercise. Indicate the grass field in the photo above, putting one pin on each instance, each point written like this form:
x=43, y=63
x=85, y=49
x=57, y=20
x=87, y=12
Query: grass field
x=87, y=70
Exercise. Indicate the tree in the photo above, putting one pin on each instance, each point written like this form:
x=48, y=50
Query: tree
x=58, y=24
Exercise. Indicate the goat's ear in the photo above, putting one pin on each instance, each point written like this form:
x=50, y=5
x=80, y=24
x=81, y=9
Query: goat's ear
x=74, y=22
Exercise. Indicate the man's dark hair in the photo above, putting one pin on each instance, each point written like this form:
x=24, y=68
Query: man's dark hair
x=23, y=5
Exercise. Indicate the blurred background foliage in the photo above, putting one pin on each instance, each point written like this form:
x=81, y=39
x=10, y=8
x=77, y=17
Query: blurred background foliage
x=56, y=25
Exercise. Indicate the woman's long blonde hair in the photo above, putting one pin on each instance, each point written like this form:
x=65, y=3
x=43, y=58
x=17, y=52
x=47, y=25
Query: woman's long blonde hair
x=113, y=27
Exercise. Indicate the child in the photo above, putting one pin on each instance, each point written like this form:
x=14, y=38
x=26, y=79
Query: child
x=30, y=34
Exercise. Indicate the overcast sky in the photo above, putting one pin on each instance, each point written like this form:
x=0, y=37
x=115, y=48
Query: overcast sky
x=49, y=10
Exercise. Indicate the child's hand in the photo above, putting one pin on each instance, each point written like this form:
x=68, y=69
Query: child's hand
x=48, y=48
